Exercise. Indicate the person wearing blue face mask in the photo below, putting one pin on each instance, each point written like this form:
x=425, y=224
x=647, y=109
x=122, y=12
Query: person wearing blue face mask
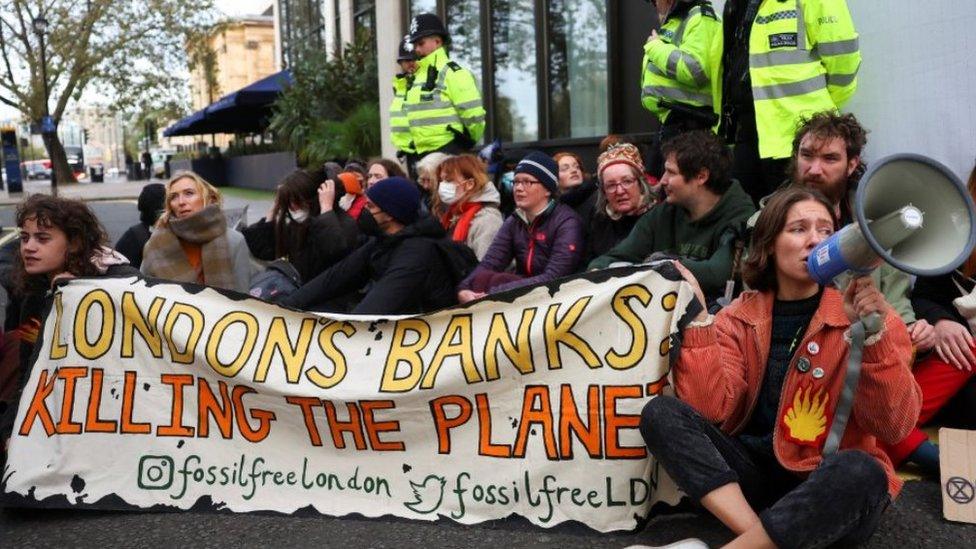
x=304, y=225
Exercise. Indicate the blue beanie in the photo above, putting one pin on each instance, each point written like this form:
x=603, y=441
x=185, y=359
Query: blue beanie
x=542, y=167
x=398, y=197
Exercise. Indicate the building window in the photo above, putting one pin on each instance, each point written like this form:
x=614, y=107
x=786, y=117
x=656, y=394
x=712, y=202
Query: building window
x=302, y=28
x=513, y=26
x=464, y=26
x=578, y=79
x=422, y=6
x=364, y=21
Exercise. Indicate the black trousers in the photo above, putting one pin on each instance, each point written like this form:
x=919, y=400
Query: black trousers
x=839, y=502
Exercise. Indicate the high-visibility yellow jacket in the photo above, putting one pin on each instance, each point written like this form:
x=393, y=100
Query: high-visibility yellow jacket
x=399, y=125
x=803, y=59
x=443, y=97
x=683, y=66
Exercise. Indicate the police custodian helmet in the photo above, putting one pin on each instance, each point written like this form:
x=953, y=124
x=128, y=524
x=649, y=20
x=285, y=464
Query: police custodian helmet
x=427, y=24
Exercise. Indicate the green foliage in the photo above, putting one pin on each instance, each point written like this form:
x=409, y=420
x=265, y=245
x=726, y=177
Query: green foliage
x=332, y=108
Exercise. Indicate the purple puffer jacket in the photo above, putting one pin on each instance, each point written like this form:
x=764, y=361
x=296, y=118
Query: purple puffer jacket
x=548, y=248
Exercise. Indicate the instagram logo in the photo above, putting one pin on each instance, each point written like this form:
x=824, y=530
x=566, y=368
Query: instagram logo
x=155, y=472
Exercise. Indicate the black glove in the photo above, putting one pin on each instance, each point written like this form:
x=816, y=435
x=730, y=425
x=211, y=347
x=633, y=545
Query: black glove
x=463, y=139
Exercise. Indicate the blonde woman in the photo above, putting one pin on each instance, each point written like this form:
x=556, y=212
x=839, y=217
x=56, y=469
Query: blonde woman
x=192, y=242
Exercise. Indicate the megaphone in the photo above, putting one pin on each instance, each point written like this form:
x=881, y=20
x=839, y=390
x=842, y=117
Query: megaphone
x=911, y=212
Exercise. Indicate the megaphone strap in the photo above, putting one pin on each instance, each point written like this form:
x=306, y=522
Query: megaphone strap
x=843, y=410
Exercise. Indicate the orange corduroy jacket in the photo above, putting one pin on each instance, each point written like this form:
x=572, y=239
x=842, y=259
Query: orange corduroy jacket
x=721, y=367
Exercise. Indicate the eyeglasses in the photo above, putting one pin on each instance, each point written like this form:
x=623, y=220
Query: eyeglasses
x=625, y=183
x=524, y=182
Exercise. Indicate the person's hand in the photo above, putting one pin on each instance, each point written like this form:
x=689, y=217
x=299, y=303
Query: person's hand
x=653, y=35
x=465, y=296
x=923, y=335
x=954, y=344
x=269, y=217
x=862, y=299
x=326, y=196
x=690, y=278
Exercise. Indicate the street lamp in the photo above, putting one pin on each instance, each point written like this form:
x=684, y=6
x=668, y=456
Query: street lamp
x=47, y=125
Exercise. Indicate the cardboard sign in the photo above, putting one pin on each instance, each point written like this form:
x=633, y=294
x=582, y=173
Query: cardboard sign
x=957, y=460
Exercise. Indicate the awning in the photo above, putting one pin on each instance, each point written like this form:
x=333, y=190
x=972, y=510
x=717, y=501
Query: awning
x=246, y=110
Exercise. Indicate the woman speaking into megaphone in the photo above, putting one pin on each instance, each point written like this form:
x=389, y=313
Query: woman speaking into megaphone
x=769, y=370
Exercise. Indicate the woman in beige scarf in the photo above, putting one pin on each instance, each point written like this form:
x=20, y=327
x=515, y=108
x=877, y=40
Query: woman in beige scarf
x=192, y=242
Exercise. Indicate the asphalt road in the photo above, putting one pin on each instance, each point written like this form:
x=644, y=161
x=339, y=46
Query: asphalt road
x=915, y=520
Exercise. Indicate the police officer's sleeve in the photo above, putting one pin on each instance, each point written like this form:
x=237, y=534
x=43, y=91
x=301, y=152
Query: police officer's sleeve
x=687, y=63
x=832, y=33
x=466, y=97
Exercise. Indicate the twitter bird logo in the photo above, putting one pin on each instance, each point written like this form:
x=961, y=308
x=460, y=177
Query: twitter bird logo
x=427, y=495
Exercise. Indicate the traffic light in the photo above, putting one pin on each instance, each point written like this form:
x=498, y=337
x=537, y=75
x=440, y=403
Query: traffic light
x=86, y=134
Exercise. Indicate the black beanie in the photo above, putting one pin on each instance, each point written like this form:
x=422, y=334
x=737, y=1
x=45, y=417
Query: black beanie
x=542, y=167
x=396, y=196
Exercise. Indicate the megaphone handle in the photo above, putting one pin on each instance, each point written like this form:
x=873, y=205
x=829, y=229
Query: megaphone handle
x=871, y=322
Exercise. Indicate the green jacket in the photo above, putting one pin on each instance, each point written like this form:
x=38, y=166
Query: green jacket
x=683, y=65
x=705, y=246
x=443, y=103
x=803, y=59
x=399, y=124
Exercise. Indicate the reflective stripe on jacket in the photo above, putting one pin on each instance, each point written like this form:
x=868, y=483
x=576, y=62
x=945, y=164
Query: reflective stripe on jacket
x=443, y=97
x=803, y=59
x=683, y=65
x=399, y=124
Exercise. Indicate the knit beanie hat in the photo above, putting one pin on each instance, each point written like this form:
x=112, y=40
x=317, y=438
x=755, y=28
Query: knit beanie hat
x=398, y=197
x=351, y=183
x=542, y=167
x=620, y=153
x=152, y=201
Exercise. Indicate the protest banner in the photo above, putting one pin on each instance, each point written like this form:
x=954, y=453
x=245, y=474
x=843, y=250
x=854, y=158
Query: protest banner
x=153, y=395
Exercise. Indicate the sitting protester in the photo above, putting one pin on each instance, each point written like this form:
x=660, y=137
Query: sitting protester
x=544, y=237
x=467, y=203
x=353, y=200
x=827, y=152
x=758, y=385
x=700, y=217
x=382, y=168
x=192, y=242
x=576, y=189
x=400, y=268
x=152, y=201
x=60, y=239
x=427, y=176
x=945, y=372
x=304, y=225
x=623, y=197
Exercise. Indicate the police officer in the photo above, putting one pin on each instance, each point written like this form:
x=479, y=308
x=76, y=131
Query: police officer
x=443, y=104
x=783, y=61
x=681, y=63
x=399, y=124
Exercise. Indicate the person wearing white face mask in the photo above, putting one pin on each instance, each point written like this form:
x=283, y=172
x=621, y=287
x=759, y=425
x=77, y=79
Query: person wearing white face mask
x=305, y=225
x=466, y=203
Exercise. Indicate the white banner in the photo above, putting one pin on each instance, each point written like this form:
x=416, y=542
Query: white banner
x=158, y=395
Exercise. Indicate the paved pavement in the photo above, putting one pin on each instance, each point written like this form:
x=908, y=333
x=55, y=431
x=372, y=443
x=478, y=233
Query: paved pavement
x=915, y=520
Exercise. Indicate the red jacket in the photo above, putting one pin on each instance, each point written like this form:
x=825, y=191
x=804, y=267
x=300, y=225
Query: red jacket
x=721, y=368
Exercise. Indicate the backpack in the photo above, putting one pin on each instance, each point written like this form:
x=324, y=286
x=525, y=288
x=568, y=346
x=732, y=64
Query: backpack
x=458, y=258
x=278, y=281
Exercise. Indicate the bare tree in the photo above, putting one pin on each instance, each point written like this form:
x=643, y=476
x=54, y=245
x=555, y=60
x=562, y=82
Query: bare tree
x=131, y=51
